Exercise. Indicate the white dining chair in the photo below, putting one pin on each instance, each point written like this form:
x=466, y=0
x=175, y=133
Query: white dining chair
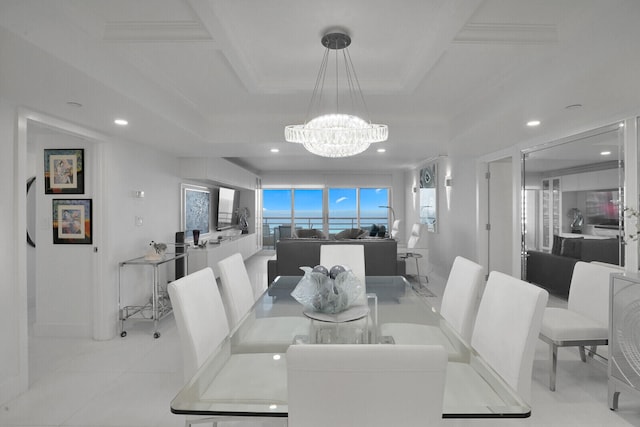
x=365, y=385
x=416, y=249
x=257, y=333
x=504, y=335
x=395, y=229
x=458, y=308
x=585, y=321
x=202, y=327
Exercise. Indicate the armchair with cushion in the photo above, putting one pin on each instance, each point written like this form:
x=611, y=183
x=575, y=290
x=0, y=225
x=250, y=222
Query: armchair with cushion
x=585, y=321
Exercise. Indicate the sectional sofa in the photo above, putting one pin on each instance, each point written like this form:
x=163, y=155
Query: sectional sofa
x=553, y=270
x=381, y=256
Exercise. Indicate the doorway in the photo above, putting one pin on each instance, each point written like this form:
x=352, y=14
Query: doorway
x=573, y=189
x=65, y=285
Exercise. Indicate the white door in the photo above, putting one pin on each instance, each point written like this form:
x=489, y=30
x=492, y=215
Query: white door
x=500, y=206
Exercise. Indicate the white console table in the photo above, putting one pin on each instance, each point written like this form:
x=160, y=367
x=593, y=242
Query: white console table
x=199, y=258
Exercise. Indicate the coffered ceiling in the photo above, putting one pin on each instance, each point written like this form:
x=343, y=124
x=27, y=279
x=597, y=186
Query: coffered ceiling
x=223, y=78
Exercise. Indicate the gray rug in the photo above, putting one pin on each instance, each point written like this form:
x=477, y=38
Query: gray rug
x=420, y=286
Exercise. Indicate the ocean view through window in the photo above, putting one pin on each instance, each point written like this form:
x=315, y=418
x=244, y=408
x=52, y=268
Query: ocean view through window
x=330, y=210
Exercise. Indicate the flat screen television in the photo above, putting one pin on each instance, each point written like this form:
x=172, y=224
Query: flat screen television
x=603, y=208
x=226, y=208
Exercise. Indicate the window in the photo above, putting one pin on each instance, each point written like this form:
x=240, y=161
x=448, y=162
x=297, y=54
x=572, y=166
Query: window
x=343, y=205
x=276, y=215
x=307, y=208
x=373, y=207
x=330, y=210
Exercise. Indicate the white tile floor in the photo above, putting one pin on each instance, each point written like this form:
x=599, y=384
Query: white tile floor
x=129, y=382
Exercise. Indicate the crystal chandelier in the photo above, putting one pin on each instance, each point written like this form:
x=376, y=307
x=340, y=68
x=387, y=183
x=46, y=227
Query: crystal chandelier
x=336, y=134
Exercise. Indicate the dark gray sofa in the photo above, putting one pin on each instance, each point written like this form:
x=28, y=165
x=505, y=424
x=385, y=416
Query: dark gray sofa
x=553, y=270
x=381, y=256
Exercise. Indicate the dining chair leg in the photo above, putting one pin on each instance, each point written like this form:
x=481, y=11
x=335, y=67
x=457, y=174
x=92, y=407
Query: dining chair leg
x=553, y=356
x=583, y=356
x=592, y=351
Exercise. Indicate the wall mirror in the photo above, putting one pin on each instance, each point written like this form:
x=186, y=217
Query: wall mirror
x=429, y=197
x=573, y=190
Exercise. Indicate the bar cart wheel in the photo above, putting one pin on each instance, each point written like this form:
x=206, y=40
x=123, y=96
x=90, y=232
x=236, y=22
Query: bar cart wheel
x=156, y=334
x=123, y=334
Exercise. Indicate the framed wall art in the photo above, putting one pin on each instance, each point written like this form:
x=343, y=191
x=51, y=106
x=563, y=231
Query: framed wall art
x=64, y=171
x=196, y=210
x=72, y=222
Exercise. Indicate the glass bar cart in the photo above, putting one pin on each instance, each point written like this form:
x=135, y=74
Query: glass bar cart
x=159, y=305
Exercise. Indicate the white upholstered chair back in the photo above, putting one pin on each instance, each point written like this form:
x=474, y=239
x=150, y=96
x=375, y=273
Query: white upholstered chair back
x=460, y=297
x=507, y=327
x=200, y=317
x=365, y=385
x=395, y=229
x=349, y=255
x=589, y=290
x=416, y=238
x=236, y=288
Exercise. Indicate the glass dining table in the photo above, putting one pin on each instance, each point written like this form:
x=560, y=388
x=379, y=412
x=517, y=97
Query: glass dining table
x=472, y=390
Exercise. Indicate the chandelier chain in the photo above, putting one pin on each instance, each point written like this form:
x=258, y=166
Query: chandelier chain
x=359, y=89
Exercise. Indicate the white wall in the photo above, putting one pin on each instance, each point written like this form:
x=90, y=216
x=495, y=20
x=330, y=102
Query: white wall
x=158, y=177
x=13, y=292
x=63, y=273
x=456, y=232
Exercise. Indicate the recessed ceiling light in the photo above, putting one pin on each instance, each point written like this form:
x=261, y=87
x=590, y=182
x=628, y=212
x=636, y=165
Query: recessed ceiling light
x=533, y=123
x=74, y=104
x=275, y=150
x=381, y=150
x=573, y=106
x=121, y=122
x=605, y=153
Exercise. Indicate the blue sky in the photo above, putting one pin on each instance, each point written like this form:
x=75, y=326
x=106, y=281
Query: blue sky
x=342, y=202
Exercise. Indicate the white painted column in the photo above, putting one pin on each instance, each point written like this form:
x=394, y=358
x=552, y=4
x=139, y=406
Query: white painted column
x=631, y=187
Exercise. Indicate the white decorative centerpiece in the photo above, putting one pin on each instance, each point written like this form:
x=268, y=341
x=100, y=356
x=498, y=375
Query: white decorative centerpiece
x=156, y=251
x=328, y=290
